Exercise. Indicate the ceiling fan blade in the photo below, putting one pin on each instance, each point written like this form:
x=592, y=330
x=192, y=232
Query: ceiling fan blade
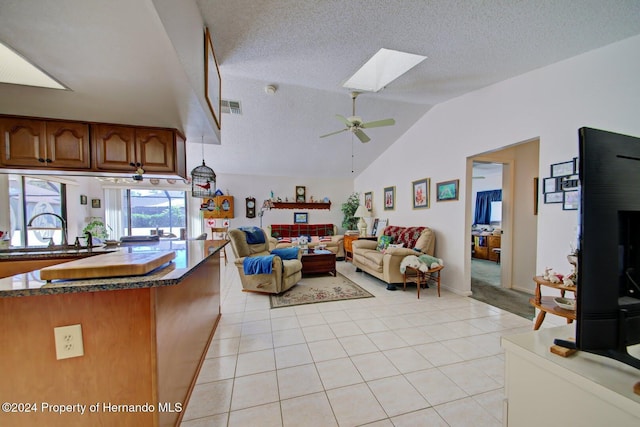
x=362, y=136
x=333, y=133
x=378, y=123
x=344, y=120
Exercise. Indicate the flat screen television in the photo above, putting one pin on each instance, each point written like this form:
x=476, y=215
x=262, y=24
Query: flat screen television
x=608, y=312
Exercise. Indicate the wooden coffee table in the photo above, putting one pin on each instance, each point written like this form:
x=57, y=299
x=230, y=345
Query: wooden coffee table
x=319, y=263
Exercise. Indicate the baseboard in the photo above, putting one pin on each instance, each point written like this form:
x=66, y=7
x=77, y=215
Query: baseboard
x=456, y=291
x=525, y=290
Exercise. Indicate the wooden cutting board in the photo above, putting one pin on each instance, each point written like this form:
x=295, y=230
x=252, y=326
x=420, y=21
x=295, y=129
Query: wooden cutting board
x=115, y=264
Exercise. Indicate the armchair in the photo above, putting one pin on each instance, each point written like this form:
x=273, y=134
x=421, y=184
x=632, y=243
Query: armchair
x=284, y=273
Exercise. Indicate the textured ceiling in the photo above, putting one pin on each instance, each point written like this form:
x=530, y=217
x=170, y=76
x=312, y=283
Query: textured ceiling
x=309, y=48
x=124, y=66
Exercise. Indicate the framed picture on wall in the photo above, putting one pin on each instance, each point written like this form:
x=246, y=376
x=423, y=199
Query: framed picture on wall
x=420, y=193
x=83, y=199
x=563, y=169
x=571, y=200
x=212, y=81
x=95, y=203
x=550, y=185
x=368, y=200
x=447, y=190
x=557, y=197
x=389, y=198
x=300, y=217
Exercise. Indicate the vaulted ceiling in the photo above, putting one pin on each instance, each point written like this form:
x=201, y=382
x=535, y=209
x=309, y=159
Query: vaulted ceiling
x=120, y=63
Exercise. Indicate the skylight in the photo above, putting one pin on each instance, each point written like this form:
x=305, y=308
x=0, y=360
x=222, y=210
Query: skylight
x=15, y=69
x=383, y=68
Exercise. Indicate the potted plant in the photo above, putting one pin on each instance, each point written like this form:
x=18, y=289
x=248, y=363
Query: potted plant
x=97, y=229
x=349, y=209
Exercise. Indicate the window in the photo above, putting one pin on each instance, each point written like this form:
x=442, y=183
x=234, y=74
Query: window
x=496, y=213
x=29, y=197
x=149, y=212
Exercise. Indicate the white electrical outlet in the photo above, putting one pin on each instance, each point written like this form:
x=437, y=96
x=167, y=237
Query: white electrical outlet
x=68, y=341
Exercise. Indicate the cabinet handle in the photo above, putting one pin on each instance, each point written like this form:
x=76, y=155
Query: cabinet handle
x=48, y=160
x=132, y=164
x=40, y=159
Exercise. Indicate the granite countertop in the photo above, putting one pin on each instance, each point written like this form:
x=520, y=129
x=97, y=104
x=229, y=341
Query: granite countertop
x=189, y=254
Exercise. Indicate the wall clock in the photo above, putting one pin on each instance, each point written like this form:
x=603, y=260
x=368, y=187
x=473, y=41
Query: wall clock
x=301, y=194
x=250, y=203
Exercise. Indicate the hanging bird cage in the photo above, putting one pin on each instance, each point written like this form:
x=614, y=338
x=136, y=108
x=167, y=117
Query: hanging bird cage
x=203, y=181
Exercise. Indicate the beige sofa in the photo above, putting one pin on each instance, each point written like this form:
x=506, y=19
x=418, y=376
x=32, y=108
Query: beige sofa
x=334, y=242
x=385, y=265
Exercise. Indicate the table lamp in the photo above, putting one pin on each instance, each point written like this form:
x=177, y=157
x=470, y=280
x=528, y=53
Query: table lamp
x=362, y=213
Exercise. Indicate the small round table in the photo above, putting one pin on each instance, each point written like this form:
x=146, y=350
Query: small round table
x=421, y=277
x=547, y=304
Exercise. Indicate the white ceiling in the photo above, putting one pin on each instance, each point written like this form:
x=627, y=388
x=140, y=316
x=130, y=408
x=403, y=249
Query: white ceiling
x=121, y=66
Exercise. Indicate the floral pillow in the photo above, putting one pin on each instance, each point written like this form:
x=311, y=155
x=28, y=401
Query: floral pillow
x=384, y=242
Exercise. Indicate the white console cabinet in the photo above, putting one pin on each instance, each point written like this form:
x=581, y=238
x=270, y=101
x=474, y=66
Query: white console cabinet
x=544, y=389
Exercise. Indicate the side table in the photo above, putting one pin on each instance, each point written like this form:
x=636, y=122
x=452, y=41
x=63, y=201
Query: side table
x=421, y=277
x=348, y=244
x=547, y=305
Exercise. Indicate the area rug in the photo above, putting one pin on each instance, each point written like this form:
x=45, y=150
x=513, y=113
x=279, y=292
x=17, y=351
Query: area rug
x=510, y=300
x=313, y=289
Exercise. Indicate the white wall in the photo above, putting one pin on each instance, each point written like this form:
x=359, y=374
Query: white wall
x=242, y=186
x=599, y=89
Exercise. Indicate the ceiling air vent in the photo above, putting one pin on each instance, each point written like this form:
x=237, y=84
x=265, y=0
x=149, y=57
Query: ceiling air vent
x=231, y=107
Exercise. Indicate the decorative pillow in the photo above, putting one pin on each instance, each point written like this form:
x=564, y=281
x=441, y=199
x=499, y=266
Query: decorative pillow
x=284, y=240
x=396, y=245
x=384, y=242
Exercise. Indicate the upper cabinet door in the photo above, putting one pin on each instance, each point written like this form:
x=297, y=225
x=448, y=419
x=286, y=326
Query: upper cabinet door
x=155, y=150
x=68, y=145
x=23, y=142
x=114, y=148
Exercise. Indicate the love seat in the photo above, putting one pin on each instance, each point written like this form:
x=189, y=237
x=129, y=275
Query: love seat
x=281, y=236
x=384, y=262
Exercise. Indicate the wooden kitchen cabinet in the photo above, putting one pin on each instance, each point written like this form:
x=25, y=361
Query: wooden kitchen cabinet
x=220, y=207
x=127, y=148
x=51, y=144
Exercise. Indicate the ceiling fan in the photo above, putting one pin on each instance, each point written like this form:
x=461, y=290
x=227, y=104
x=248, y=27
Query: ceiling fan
x=355, y=124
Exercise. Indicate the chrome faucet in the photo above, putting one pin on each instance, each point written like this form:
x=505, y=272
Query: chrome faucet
x=62, y=222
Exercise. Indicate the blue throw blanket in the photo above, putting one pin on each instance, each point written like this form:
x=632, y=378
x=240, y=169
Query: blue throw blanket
x=286, y=253
x=258, y=264
x=253, y=234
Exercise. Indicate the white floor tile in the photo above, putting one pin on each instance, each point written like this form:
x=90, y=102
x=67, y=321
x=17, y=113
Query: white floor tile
x=392, y=360
x=338, y=373
x=298, y=381
x=355, y=405
x=312, y=410
x=466, y=413
x=263, y=415
x=397, y=396
x=254, y=390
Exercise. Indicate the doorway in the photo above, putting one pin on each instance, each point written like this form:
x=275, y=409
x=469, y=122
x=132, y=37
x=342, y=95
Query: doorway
x=513, y=170
x=486, y=229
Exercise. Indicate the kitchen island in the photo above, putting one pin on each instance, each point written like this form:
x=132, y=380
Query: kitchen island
x=144, y=338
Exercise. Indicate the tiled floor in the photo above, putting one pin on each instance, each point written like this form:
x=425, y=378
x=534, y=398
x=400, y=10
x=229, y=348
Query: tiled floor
x=392, y=360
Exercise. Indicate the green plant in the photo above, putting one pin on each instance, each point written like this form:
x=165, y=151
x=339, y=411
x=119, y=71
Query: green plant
x=97, y=229
x=349, y=209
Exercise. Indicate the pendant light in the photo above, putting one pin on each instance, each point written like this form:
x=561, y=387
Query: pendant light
x=203, y=179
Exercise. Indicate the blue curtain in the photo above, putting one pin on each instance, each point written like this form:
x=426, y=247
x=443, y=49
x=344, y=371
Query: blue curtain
x=483, y=205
